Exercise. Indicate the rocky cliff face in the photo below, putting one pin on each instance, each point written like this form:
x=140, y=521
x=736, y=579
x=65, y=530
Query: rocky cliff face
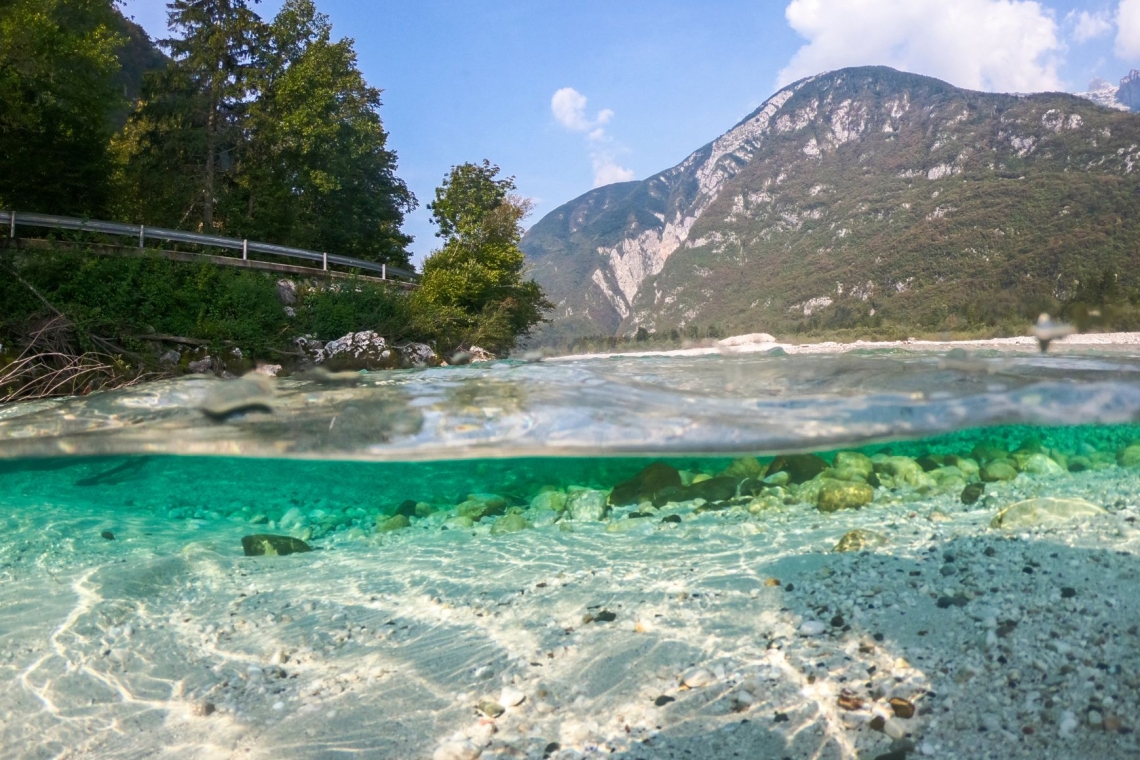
x=849, y=197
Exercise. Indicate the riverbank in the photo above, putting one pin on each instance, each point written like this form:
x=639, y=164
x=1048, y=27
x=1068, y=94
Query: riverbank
x=768, y=344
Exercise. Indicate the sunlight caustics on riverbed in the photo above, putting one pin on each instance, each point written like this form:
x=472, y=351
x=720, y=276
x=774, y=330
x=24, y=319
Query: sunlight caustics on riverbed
x=778, y=556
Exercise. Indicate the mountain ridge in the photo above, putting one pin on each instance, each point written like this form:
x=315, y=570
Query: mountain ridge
x=787, y=185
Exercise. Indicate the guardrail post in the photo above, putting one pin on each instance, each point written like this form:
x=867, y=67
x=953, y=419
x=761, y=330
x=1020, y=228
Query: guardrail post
x=325, y=261
x=142, y=235
x=245, y=250
x=383, y=271
x=12, y=224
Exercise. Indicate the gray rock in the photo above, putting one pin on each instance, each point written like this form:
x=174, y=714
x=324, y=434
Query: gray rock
x=170, y=358
x=287, y=292
x=202, y=365
x=587, y=505
x=357, y=351
x=419, y=355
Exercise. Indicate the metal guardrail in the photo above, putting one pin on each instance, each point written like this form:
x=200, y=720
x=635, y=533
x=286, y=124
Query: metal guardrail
x=142, y=233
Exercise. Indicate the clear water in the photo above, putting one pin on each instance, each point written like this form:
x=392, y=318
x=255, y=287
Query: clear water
x=132, y=624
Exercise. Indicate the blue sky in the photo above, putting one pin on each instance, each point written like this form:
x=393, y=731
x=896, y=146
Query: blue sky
x=569, y=95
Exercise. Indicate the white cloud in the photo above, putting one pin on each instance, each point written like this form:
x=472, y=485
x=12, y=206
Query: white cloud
x=1002, y=45
x=1128, y=30
x=607, y=171
x=569, y=109
x=1088, y=26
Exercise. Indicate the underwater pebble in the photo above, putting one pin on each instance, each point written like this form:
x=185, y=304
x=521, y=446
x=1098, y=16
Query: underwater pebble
x=695, y=678
x=812, y=627
x=511, y=697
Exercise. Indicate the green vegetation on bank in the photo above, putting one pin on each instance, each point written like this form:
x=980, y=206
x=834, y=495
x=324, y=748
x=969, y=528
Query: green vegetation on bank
x=265, y=130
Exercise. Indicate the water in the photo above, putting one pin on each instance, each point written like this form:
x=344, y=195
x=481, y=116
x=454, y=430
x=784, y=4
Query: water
x=131, y=623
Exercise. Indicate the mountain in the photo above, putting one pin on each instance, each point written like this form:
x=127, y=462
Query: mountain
x=856, y=198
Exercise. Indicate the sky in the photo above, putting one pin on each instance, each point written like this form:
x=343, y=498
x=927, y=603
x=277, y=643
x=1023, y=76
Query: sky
x=566, y=96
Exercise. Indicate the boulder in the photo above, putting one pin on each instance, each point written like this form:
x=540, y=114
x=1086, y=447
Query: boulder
x=364, y=350
x=553, y=501
x=419, y=355
x=511, y=523
x=854, y=461
x=709, y=489
x=1039, y=464
x=287, y=292
x=997, y=470
x=644, y=485
x=835, y=495
x=1129, y=456
x=395, y=522
x=480, y=505
x=800, y=467
x=744, y=467
x=1044, y=511
x=587, y=505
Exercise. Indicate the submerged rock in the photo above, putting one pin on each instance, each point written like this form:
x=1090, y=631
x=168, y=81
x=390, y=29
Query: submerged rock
x=587, y=505
x=549, y=501
x=744, y=467
x=800, y=467
x=1039, y=464
x=480, y=505
x=1129, y=456
x=393, y=523
x=710, y=489
x=644, y=485
x=972, y=492
x=264, y=544
x=835, y=495
x=853, y=461
x=858, y=540
x=1043, y=511
x=998, y=470
x=511, y=523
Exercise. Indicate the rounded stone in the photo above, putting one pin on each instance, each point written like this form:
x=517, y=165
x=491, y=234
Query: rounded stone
x=511, y=523
x=1044, y=511
x=835, y=495
x=997, y=470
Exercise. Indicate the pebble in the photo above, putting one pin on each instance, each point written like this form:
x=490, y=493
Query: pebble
x=511, y=697
x=695, y=678
x=812, y=627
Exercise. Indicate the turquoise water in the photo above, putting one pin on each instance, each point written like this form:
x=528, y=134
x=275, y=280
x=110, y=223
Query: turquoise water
x=132, y=623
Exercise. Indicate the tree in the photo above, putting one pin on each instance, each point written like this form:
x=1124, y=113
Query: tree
x=323, y=177
x=188, y=132
x=473, y=287
x=57, y=70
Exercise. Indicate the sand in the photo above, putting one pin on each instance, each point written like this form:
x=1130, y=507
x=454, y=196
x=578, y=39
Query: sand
x=166, y=640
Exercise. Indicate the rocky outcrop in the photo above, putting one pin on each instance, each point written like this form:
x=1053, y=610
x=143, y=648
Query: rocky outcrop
x=844, y=196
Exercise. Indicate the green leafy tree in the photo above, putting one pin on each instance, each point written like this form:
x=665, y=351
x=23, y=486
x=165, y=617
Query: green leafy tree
x=473, y=289
x=323, y=177
x=57, y=96
x=189, y=128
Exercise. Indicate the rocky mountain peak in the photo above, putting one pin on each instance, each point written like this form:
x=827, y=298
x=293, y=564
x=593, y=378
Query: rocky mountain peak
x=803, y=183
